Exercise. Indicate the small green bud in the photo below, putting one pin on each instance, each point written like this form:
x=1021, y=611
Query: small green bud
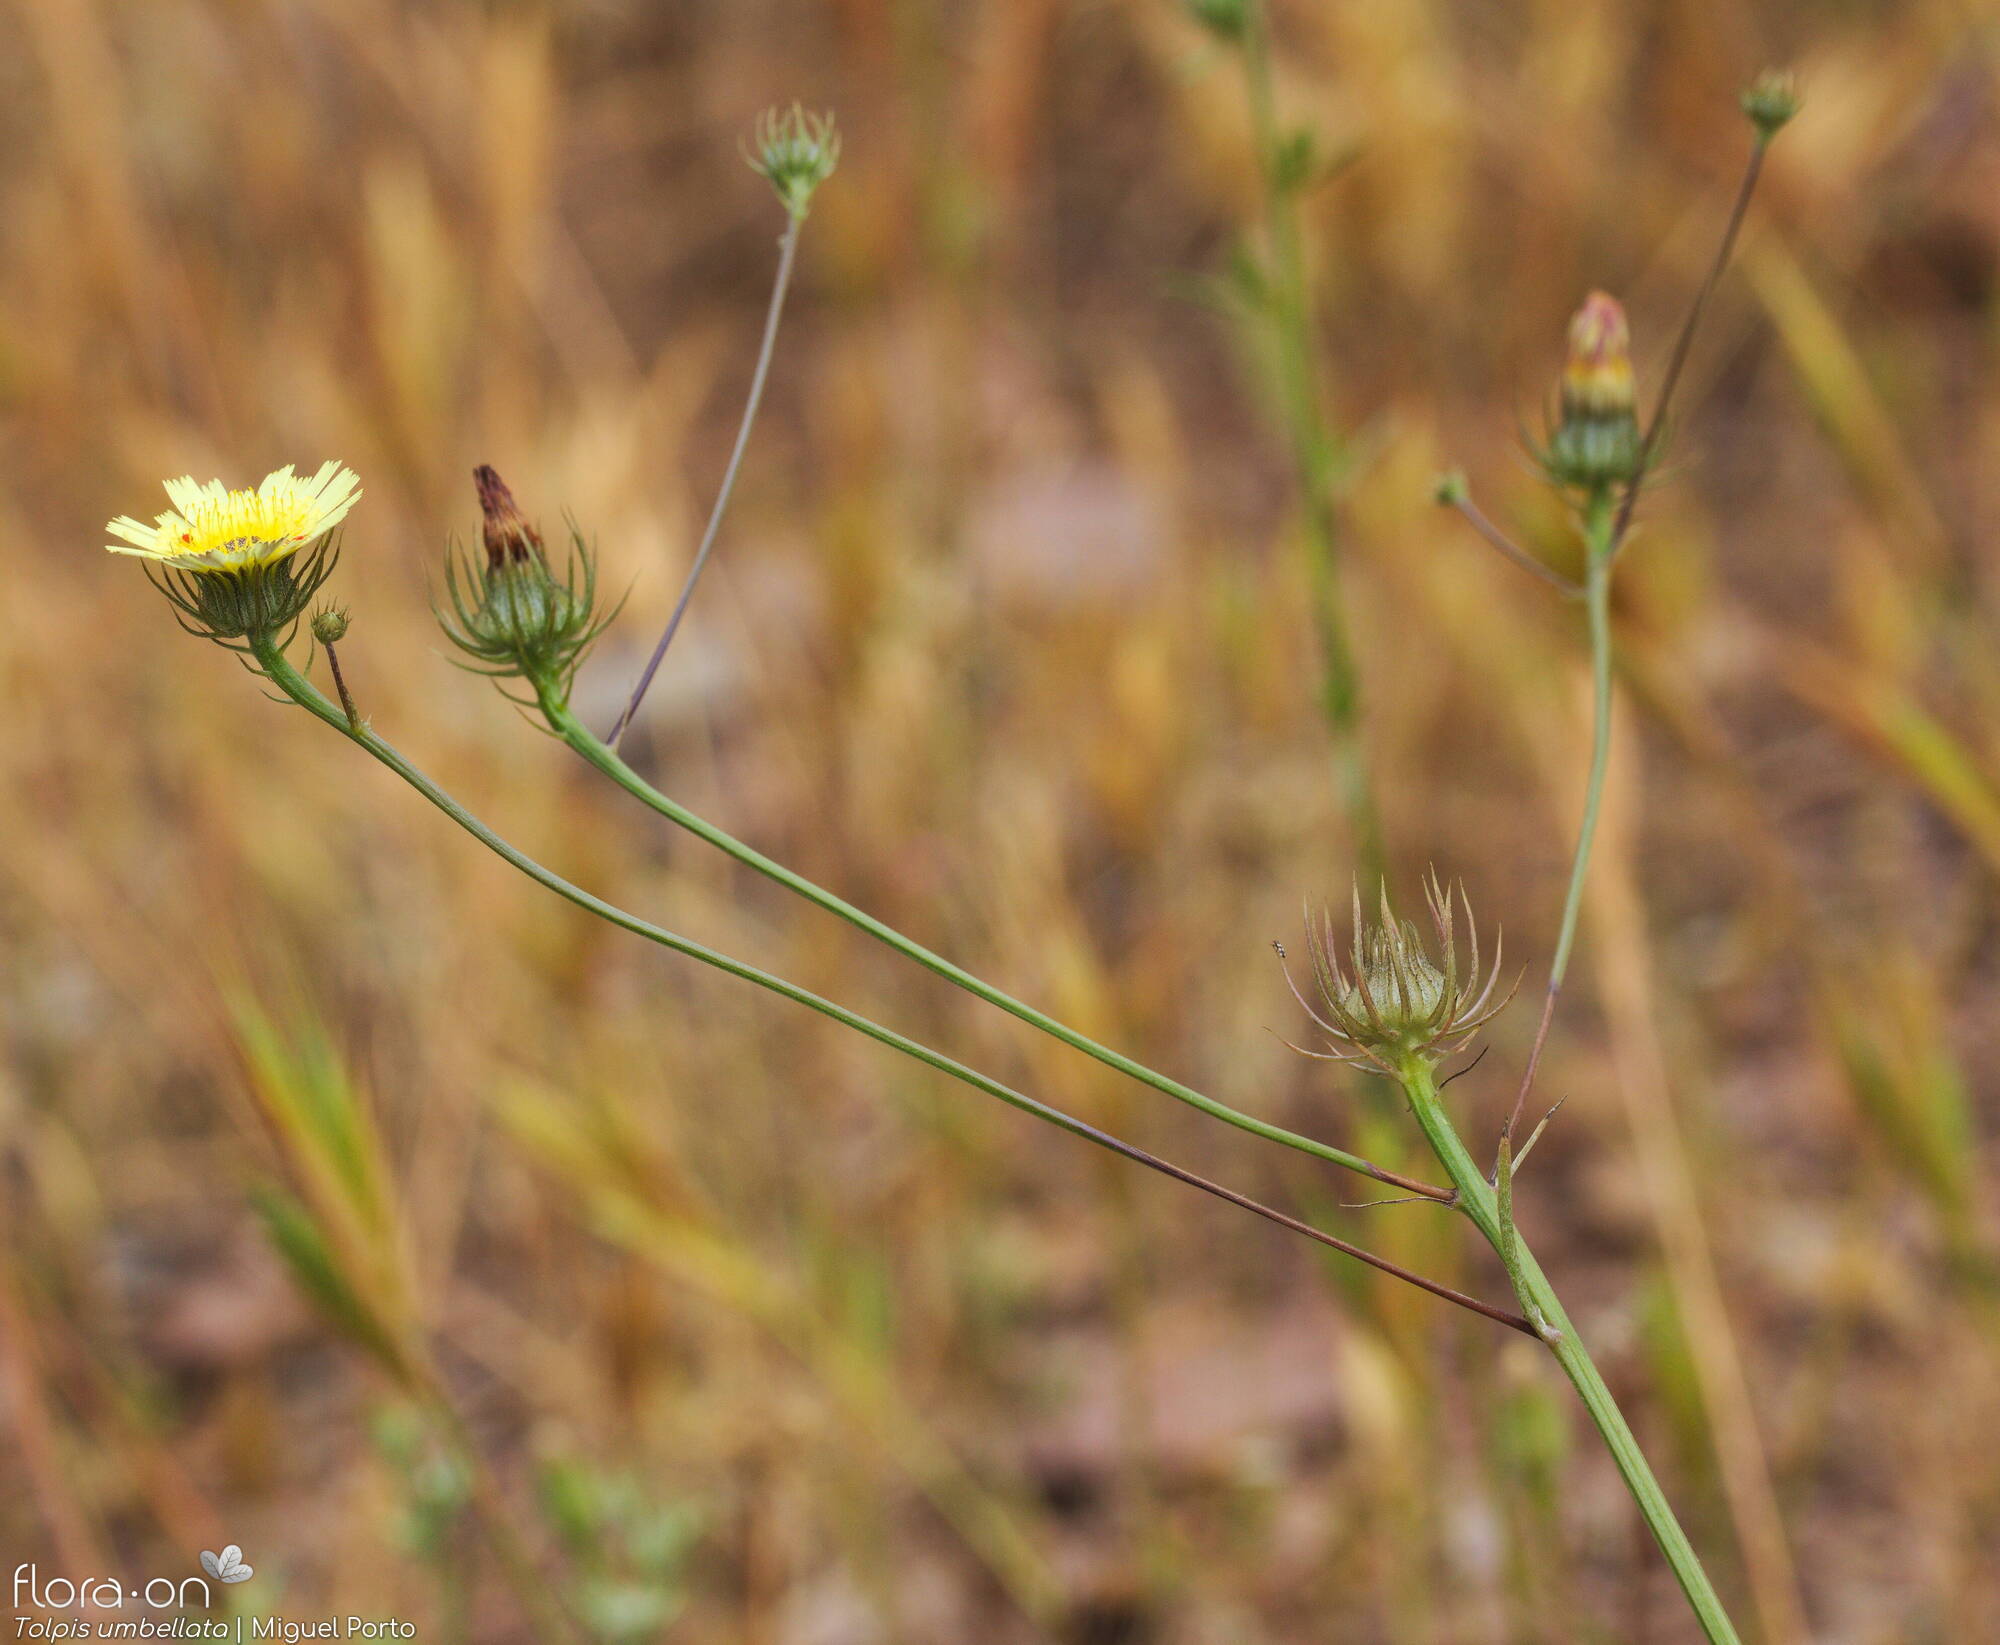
x=794, y=152
x=1225, y=19
x=329, y=624
x=1770, y=102
x=1449, y=489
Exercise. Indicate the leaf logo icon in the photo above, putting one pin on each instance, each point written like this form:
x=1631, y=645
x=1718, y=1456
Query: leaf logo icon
x=228, y=1565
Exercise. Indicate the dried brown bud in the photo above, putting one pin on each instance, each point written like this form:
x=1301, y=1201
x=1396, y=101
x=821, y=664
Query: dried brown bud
x=508, y=537
x=514, y=614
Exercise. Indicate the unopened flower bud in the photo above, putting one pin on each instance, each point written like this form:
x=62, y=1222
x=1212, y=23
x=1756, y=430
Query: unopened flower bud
x=329, y=624
x=514, y=615
x=508, y=537
x=1597, y=376
x=794, y=152
x=1770, y=101
x=1596, y=441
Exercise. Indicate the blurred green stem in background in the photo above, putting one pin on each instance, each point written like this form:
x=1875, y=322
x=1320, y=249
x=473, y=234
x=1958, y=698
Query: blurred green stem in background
x=1284, y=165
x=278, y=669
x=1490, y=1210
x=572, y=731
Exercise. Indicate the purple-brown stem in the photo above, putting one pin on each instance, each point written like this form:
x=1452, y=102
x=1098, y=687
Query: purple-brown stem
x=340, y=686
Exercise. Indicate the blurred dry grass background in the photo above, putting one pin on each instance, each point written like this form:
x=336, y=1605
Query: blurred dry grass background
x=1008, y=643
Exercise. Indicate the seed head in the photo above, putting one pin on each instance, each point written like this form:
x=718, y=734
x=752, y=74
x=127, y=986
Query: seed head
x=1596, y=441
x=1392, y=999
x=794, y=152
x=1770, y=101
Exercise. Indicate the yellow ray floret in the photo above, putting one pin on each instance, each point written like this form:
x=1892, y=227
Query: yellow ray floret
x=214, y=529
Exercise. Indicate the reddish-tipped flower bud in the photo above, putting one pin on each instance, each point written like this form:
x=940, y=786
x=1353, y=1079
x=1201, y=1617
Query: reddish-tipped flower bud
x=1596, y=442
x=1597, y=377
x=508, y=537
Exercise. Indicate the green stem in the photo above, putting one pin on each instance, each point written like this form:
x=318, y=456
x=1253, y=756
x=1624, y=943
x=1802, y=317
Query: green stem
x=1600, y=542
x=1597, y=599
x=567, y=726
x=279, y=670
x=1315, y=453
x=1480, y=1202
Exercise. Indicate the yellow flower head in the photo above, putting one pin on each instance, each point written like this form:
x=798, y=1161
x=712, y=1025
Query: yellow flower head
x=214, y=529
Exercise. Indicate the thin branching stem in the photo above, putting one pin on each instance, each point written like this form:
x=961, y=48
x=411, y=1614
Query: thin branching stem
x=567, y=726
x=340, y=685
x=1597, y=598
x=788, y=249
x=1677, y=362
x=294, y=685
x=1497, y=539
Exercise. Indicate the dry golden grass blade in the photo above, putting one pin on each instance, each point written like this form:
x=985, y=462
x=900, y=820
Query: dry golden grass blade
x=1622, y=963
x=38, y=1435
x=1841, y=393
x=715, y=1264
x=1887, y=720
